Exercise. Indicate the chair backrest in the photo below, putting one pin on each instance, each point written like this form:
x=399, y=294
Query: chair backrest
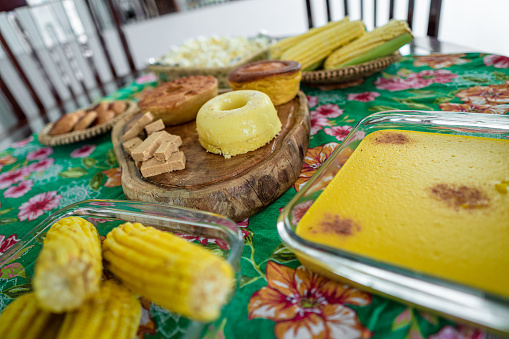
x=55, y=58
x=374, y=6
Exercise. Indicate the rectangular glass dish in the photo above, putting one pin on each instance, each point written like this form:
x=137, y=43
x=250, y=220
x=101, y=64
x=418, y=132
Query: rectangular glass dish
x=430, y=292
x=219, y=234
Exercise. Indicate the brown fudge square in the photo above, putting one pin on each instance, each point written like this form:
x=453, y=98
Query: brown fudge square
x=153, y=167
x=171, y=145
x=177, y=161
x=131, y=144
x=147, y=148
x=138, y=126
x=155, y=126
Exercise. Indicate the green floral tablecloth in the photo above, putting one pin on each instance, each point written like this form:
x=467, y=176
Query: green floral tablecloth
x=277, y=297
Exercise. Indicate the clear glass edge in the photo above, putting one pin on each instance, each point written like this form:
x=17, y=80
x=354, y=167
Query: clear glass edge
x=448, y=298
x=142, y=211
x=164, y=213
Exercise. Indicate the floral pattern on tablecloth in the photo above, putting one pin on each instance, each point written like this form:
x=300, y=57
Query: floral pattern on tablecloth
x=276, y=296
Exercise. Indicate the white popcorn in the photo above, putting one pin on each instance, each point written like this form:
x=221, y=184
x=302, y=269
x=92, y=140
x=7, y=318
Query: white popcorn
x=216, y=51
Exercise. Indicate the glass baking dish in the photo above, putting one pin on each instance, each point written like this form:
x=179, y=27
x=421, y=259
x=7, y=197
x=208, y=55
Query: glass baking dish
x=449, y=299
x=219, y=234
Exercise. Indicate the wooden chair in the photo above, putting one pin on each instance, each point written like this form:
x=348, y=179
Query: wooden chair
x=39, y=81
x=433, y=18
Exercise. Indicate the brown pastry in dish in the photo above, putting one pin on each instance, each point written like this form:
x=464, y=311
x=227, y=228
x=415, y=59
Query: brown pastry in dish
x=104, y=116
x=178, y=101
x=66, y=122
x=102, y=107
x=118, y=107
x=279, y=79
x=86, y=121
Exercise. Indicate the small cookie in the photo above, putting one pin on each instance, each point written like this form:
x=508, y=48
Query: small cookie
x=86, y=121
x=118, y=107
x=102, y=107
x=104, y=117
x=66, y=123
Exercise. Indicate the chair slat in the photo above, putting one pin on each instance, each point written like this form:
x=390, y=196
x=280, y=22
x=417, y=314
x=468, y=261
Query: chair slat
x=118, y=24
x=434, y=17
x=410, y=16
x=24, y=78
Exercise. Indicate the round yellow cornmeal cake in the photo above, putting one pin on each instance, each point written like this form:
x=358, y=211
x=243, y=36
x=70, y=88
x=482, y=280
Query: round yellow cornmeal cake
x=279, y=79
x=237, y=122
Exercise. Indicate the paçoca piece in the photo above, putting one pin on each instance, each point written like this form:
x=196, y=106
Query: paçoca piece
x=146, y=149
x=138, y=126
x=168, y=147
x=153, y=166
x=131, y=144
x=155, y=126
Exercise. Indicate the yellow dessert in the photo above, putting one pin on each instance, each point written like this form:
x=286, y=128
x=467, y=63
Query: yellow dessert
x=280, y=80
x=434, y=203
x=237, y=122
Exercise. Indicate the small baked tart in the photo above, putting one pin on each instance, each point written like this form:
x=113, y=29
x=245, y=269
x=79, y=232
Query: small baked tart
x=279, y=79
x=178, y=101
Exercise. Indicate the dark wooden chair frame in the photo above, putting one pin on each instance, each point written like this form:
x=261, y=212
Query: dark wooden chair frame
x=433, y=19
x=22, y=121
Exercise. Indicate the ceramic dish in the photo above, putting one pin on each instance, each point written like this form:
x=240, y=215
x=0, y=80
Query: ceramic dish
x=76, y=136
x=447, y=298
x=210, y=229
x=363, y=70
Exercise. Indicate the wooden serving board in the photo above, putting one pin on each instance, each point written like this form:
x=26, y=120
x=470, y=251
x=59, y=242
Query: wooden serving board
x=237, y=187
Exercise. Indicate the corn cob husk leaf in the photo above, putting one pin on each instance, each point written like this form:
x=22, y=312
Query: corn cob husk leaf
x=383, y=50
x=366, y=43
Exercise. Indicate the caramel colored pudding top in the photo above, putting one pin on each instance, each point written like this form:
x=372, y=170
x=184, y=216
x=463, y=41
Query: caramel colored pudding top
x=170, y=95
x=262, y=69
x=433, y=203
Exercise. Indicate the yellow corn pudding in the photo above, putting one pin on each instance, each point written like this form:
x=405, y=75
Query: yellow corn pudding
x=237, y=122
x=433, y=203
x=279, y=79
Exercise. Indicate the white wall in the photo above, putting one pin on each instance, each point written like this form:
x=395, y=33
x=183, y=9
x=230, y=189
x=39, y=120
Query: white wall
x=478, y=25
x=151, y=39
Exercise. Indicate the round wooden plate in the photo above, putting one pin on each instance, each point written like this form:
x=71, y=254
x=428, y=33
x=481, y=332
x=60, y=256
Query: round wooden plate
x=351, y=72
x=68, y=138
x=237, y=187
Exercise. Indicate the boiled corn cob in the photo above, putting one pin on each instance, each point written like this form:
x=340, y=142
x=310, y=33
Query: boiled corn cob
x=25, y=319
x=383, y=40
x=180, y=276
x=316, y=48
x=281, y=46
x=114, y=312
x=69, y=266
